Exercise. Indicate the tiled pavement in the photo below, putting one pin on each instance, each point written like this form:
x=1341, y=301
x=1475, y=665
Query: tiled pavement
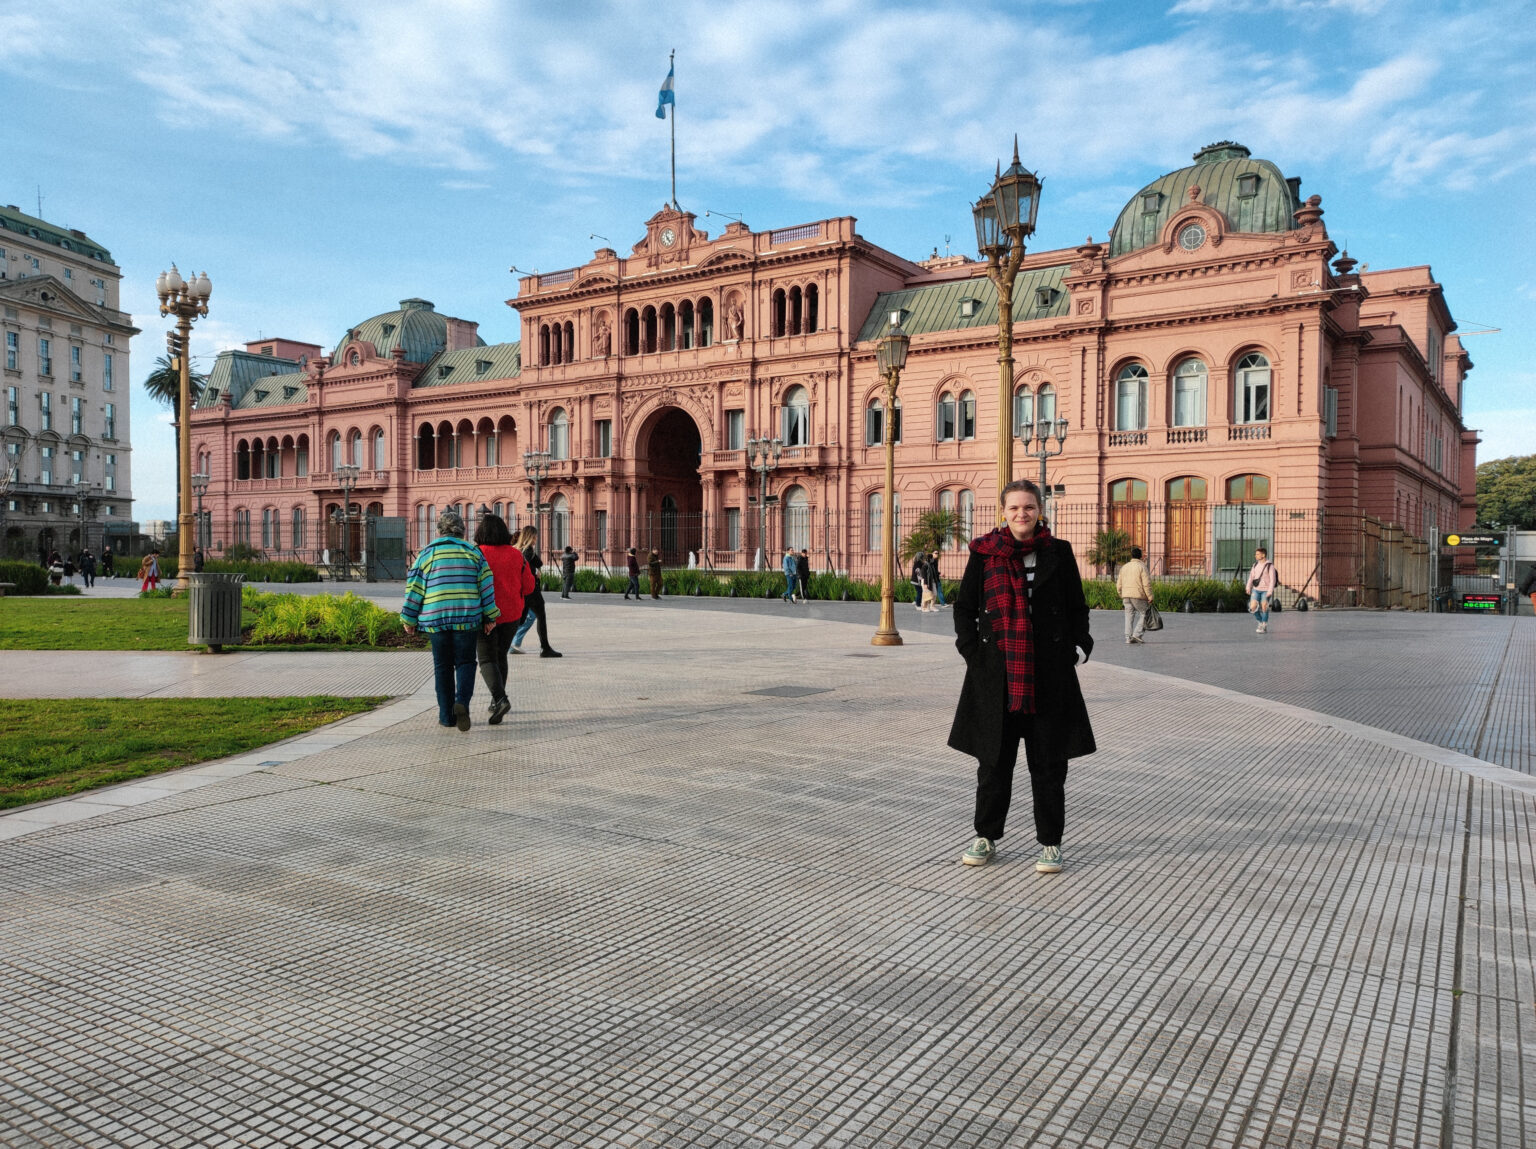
x=675, y=901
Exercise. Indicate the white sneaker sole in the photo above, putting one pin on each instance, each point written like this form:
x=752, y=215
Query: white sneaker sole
x=967, y=860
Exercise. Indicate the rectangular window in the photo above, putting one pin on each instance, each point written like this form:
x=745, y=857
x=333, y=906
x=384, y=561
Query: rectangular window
x=76, y=415
x=109, y=429
x=44, y=357
x=967, y=416
x=604, y=430
x=106, y=371
x=600, y=521
x=12, y=346
x=735, y=432
x=109, y=510
x=296, y=535
x=76, y=466
x=876, y=538
x=946, y=420
x=301, y=460
x=109, y=473
x=74, y=365
x=1331, y=411
x=12, y=406
x=733, y=528
x=874, y=424
x=46, y=402
x=46, y=475
x=266, y=528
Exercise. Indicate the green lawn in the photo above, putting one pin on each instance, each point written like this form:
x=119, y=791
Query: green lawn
x=51, y=747
x=94, y=624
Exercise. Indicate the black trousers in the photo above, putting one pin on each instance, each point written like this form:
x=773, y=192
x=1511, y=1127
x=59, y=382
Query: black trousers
x=1047, y=780
x=491, y=652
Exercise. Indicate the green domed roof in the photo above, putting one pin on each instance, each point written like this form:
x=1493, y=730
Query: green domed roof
x=415, y=326
x=1265, y=202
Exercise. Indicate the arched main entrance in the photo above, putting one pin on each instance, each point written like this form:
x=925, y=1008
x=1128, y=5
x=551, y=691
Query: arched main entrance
x=672, y=504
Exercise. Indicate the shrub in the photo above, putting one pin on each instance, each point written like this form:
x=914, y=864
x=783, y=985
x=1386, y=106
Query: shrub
x=259, y=571
x=1201, y=594
x=284, y=619
x=30, y=578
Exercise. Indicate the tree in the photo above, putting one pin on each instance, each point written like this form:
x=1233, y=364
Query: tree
x=1110, y=549
x=933, y=530
x=164, y=386
x=1506, y=492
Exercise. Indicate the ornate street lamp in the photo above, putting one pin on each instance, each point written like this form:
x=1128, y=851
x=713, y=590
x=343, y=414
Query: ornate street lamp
x=346, y=475
x=536, y=464
x=1040, y=436
x=82, y=489
x=199, y=486
x=186, y=299
x=1005, y=218
x=890, y=358
x=763, y=456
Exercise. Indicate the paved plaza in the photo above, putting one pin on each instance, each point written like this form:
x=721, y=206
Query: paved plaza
x=703, y=888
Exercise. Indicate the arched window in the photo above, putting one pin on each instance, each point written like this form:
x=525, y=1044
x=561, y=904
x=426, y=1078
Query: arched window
x=669, y=525
x=1186, y=525
x=274, y=461
x=355, y=448
x=1128, y=509
x=876, y=543
x=1131, y=398
x=301, y=456
x=796, y=311
x=570, y=341
x=797, y=518
x=812, y=309
x=559, y=435
x=1189, y=379
x=258, y=459
x=1045, y=404
x=1023, y=410
x=631, y=332
x=795, y=429
x=544, y=359
x=668, y=319
x=778, y=319
x=423, y=528
x=425, y=442
x=968, y=513
x=559, y=522
x=242, y=460
x=243, y=525
x=296, y=528
x=686, y=336
x=1248, y=489
x=648, y=330
x=706, y=322
x=335, y=451
x=967, y=415
x=874, y=422
x=945, y=421
x=947, y=505
x=1252, y=389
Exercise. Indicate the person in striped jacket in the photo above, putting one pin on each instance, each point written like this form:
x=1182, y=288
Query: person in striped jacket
x=450, y=596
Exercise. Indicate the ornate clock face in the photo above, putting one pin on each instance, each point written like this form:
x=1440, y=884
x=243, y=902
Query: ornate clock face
x=1192, y=237
x=668, y=237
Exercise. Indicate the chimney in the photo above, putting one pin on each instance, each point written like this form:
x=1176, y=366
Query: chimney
x=461, y=333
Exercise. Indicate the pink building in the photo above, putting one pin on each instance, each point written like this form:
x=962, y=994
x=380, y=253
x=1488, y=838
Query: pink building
x=1227, y=376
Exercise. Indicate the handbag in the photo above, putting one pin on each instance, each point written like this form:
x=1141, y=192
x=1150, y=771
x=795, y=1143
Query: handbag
x=1153, y=620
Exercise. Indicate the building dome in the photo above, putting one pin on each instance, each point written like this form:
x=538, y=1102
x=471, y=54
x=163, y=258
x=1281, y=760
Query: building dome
x=416, y=326
x=1252, y=194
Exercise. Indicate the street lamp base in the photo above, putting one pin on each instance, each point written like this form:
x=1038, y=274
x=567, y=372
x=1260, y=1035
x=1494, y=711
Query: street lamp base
x=886, y=638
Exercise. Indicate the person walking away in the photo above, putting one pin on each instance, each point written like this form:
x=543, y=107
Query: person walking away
x=106, y=563
x=938, y=580
x=450, y=596
x=634, y=576
x=568, y=571
x=527, y=539
x=931, y=582
x=1261, y=584
x=803, y=573
x=1021, y=624
x=1135, y=590
x=791, y=570
x=88, y=568
x=512, y=581
x=653, y=569
x=919, y=561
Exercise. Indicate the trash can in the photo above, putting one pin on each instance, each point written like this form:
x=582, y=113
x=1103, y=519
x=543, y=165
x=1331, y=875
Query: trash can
x=214, y=616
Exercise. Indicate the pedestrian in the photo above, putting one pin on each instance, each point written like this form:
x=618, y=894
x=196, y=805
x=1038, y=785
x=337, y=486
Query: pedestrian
x=803, y=573
x=55, y=569
x=149, y=572
x=106, y=563
x=919, y=562
x=512, y=580
x=1135, y=590
x=69, y=572
x=791, y=570
x=1021, y=623
x=634, y=576
x=450, y=595
x=568, y=571
x=1260, y=586
x=88, y=568
x=653, y=569
x=528, y=539
x=931, y=582
x=938, y=579
x=197, y=560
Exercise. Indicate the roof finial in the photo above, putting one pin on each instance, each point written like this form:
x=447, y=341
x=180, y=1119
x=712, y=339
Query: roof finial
x=1015, y=148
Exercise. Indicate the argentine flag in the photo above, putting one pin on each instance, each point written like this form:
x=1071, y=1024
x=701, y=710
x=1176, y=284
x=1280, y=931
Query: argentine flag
x=665, y=97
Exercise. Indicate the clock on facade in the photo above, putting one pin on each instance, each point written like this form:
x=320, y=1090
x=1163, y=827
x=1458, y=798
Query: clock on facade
x=668, y=237
x=1192, y=237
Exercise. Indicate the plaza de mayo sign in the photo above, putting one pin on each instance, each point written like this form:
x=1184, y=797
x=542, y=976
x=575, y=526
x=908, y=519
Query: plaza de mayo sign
x=1482, y=540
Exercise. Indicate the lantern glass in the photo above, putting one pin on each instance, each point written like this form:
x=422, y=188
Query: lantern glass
x=1061, y=430
x=988, y=234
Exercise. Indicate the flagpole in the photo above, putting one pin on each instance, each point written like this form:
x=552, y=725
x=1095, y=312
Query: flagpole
x=671, y=71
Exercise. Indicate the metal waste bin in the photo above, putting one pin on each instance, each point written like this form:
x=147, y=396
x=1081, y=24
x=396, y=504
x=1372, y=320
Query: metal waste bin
x=214, y=617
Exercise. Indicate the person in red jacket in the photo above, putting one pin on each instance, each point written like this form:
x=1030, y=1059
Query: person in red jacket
x=513, y=581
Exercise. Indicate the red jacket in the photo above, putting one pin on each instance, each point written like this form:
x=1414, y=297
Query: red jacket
x=512, y=579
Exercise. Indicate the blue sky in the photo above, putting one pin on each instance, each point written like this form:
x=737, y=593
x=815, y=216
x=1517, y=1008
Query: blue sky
x=323, y=160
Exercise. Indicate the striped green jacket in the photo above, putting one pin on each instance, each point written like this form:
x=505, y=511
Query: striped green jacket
x=449, y=587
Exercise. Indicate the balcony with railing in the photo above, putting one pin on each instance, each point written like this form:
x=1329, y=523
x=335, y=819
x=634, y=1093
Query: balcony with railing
x=1180, y=436
x=1246, y=432
x=1127, y=438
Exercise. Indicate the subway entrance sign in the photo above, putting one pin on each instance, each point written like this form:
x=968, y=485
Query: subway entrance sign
x=1482, y=540
x=1490, y=603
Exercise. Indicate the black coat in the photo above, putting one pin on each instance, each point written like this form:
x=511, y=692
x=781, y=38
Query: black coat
x=1058, y=616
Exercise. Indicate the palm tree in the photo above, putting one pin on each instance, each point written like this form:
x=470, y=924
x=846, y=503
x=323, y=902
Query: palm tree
x=164, y=386
x=934, y=529
x=1110, y=549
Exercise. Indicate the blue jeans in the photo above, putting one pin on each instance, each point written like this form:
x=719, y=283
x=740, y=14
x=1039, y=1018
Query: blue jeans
x=1262, y=598
x=523, y=628
x=453, y=669
x=938, y=589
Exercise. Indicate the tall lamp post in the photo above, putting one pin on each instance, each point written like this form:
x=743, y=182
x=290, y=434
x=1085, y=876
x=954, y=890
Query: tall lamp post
x=1036, y=441
x=890, y=357
x=186, y=299
x=346, y=475
x=763, y=456
x=199, y=486
x=8, y=478
x=81, y=490
x=1005, y=218
x=536, y=464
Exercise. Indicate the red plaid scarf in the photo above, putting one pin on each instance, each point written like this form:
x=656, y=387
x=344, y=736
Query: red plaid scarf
x=1005, y=597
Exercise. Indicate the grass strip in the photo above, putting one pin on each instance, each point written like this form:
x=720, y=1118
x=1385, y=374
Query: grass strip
x=94, y=624
x=51, y=747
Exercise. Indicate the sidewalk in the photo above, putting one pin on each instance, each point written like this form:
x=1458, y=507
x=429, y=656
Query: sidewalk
x=703, y=888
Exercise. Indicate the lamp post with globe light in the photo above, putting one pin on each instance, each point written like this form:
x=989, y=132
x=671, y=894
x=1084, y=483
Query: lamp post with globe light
x=763, y=456
x=890, y=357
x=186, y=299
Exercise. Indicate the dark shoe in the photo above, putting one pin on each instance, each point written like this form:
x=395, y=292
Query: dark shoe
x=499, y=710
x=461, y=716
x=550, y=652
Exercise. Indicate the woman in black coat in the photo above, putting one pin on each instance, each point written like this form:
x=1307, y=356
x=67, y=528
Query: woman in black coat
x=1021, y=623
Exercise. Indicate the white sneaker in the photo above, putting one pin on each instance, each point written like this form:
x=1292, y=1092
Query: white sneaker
x=1050, y=860
x=1263, y=628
